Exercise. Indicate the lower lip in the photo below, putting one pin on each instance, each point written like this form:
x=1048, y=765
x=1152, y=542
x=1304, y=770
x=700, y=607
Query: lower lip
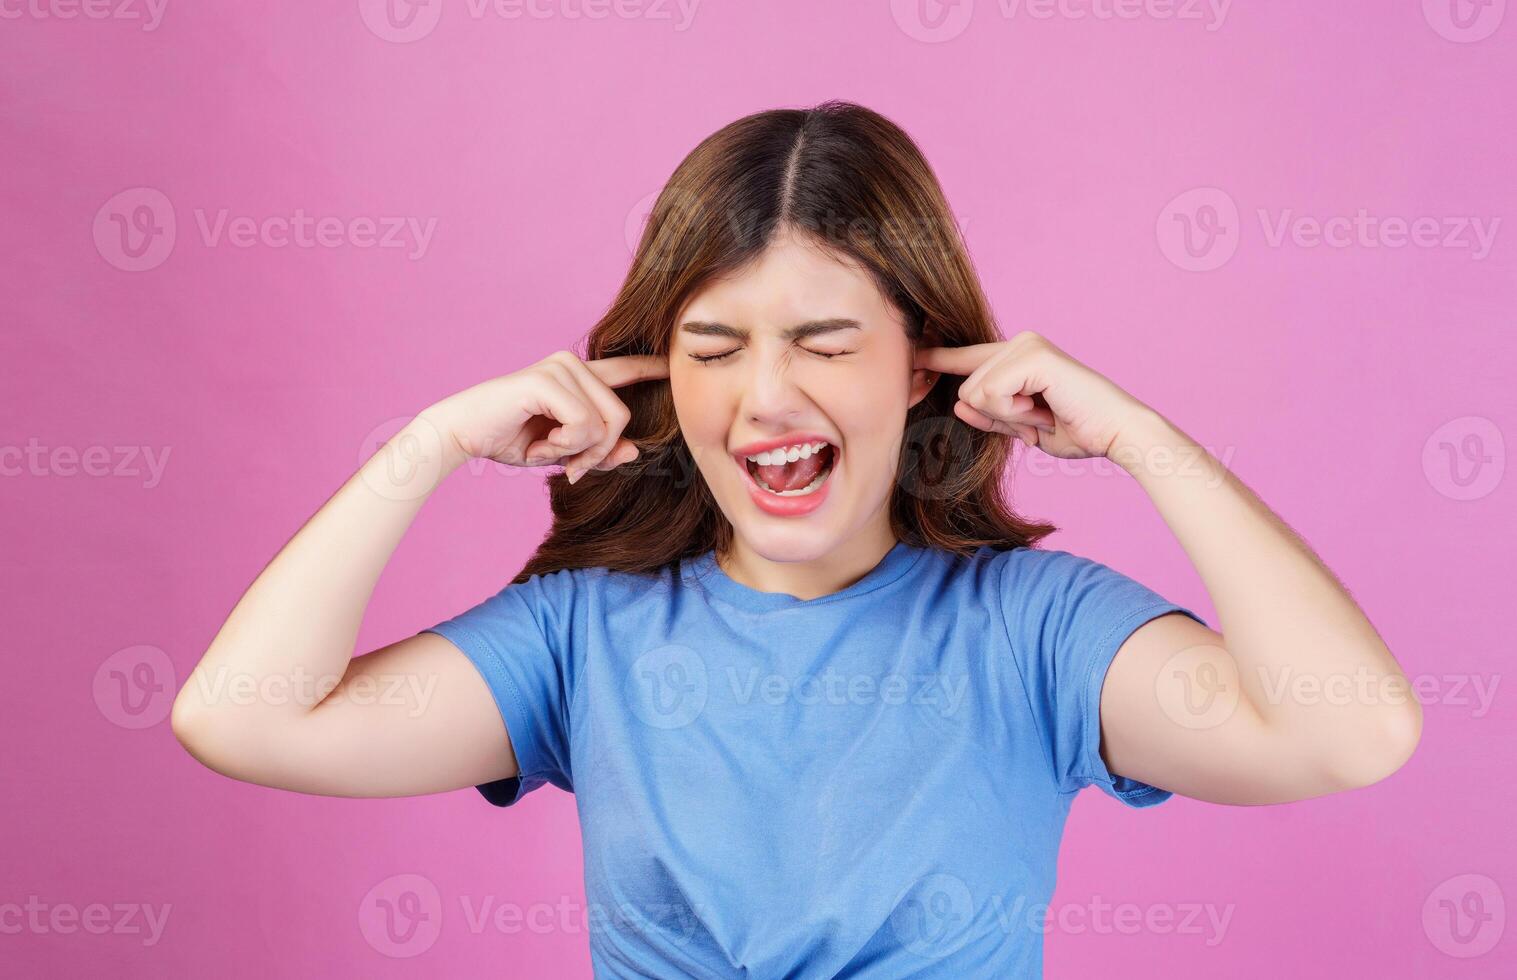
x=778, y=506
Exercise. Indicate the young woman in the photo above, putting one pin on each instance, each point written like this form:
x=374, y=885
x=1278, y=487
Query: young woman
x=822, y=703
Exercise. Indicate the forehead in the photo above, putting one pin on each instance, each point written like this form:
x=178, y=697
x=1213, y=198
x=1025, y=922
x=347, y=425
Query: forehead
x=790, y=282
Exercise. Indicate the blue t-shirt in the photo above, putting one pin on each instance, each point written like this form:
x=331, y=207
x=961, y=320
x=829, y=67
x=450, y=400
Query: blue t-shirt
x=871, y=783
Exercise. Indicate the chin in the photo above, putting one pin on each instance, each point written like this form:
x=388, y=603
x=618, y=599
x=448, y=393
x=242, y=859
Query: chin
x=792, y=543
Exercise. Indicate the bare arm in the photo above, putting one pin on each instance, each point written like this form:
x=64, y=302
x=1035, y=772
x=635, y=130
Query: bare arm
x=1298, y=696
x=278, y=698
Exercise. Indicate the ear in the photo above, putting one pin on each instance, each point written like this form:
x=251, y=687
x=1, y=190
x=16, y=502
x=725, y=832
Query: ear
x=922, y=379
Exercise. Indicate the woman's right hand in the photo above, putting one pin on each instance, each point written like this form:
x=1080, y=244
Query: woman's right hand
x=561, y=410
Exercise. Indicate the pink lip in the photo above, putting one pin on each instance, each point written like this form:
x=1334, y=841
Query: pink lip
x=785, y=506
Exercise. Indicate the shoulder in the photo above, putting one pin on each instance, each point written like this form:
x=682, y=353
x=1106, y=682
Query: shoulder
x=998, y=573
x=1032, y=579
x=1019, y=563
x=1048, y=566
x=595, y=584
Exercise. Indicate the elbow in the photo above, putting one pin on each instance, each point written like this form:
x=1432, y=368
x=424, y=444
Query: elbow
x=199, y=729
x=188, y=722
x=1390, y=736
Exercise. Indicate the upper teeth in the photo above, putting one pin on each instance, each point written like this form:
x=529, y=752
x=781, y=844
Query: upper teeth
x=787, y=454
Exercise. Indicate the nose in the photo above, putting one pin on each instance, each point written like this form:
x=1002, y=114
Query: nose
x=771, y=396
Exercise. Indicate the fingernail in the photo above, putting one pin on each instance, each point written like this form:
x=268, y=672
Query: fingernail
x=574, y=473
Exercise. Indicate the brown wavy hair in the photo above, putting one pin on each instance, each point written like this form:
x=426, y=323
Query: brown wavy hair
x=854, y=182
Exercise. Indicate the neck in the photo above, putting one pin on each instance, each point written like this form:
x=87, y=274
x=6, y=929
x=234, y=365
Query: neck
x=812, y=579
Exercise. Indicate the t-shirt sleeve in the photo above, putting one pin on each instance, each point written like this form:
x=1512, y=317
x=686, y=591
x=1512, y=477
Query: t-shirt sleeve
x=1066, y=617
x=521, y=641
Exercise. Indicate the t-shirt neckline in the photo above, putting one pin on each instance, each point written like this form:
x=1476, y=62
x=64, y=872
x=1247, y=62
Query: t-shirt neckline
x=705, y=570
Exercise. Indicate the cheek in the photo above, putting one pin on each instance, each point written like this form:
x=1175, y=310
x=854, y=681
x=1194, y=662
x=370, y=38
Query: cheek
x=698, y=406
x=867, y=408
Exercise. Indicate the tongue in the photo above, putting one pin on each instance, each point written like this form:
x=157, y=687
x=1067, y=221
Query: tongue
x=791, y=476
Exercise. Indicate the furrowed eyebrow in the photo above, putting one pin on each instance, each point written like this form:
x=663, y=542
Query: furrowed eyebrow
x=811, y=328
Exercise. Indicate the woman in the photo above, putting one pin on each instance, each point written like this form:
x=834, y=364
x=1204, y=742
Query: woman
x=823, y=705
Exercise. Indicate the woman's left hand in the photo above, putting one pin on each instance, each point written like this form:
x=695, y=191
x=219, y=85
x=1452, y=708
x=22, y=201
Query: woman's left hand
x=1028, y=388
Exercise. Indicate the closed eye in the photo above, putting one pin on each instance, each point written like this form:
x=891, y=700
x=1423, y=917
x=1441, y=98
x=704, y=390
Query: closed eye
x=708, y=358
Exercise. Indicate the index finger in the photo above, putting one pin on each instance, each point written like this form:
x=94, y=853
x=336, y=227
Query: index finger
x=954, y=360
x=629, y=368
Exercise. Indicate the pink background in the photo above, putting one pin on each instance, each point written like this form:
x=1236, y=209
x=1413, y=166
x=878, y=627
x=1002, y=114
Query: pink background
x=1337, y=378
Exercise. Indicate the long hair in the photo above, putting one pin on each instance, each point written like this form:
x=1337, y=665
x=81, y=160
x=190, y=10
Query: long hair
x=853, y=181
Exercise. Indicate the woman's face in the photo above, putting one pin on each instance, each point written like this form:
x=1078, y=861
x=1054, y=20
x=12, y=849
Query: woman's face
x=799, y=350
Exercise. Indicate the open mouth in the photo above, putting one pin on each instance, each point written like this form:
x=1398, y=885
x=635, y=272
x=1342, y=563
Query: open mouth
x=793, y=471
